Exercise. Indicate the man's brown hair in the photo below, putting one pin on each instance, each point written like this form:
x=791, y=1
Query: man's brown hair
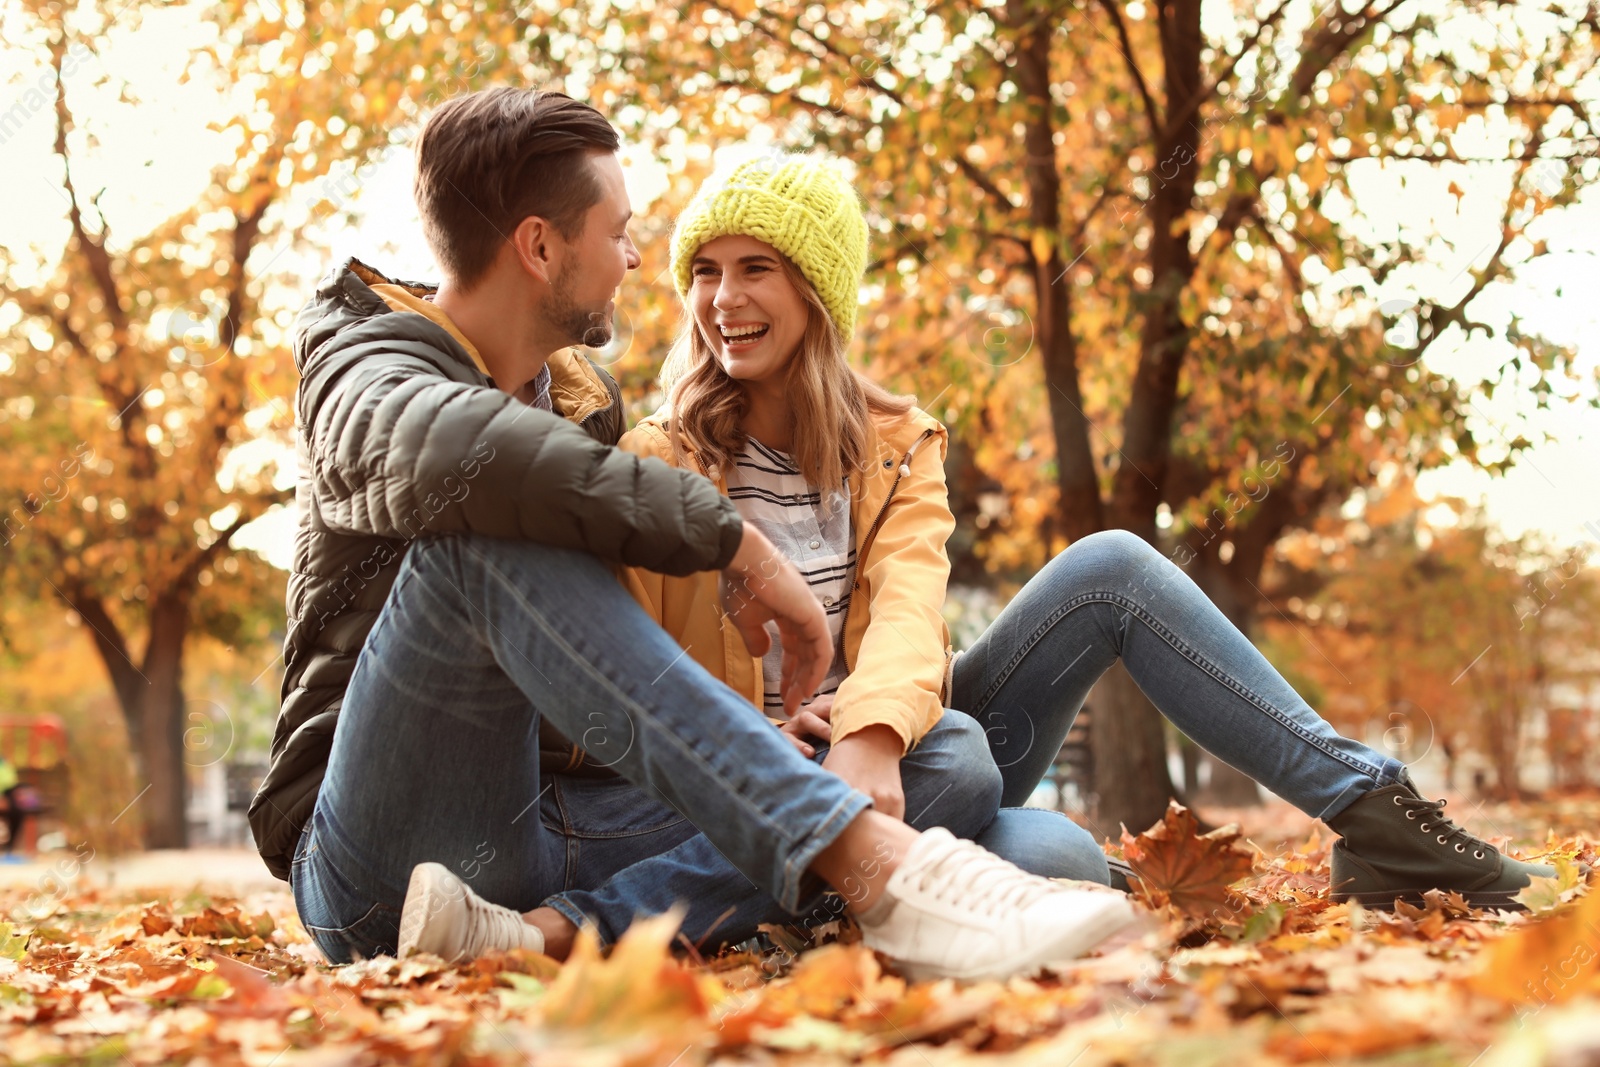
x=490, y=159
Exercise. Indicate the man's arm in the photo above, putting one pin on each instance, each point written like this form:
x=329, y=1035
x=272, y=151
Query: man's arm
x=398, y=450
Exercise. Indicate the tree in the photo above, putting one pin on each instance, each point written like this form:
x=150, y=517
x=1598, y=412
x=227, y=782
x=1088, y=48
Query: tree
x=146, y=389
x=130, y=381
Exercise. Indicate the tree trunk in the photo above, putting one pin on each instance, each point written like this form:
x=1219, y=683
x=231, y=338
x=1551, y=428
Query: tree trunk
x=1131, y=776
x=161, y=736
x=1146, y=448
x=1132, y=784
x=1229, y=788
x=127, y=680
x=151, y=699
x=1079, y=512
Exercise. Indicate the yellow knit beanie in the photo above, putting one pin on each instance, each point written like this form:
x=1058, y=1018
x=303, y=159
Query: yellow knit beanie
x=802, y=207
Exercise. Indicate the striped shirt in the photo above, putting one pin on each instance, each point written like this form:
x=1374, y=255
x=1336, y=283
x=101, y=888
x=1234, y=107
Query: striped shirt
x=813, y=533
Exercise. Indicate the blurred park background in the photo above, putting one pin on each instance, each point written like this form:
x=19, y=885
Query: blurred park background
x=1302, y=291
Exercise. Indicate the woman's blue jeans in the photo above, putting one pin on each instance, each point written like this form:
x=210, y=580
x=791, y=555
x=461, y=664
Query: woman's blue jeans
x=1112, y=596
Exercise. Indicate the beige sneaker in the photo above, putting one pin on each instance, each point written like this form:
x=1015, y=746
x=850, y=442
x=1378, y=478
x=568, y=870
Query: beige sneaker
x=443, y=916
x=955, y=910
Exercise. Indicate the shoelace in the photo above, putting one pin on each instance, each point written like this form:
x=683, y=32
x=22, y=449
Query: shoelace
x=490, y=926
x=1435, y=821
x=982, y=880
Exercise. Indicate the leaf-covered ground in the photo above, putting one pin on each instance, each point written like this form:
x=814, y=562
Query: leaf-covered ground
x=1264, y=971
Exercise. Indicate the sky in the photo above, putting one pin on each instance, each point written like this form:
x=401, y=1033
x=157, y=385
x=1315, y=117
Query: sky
x=155, y=156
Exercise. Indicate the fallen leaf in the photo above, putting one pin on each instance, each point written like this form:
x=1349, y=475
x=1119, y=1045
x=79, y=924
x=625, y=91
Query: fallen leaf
x=214, y=924
x=156, y=920
x=253, y=994
x=1190, y=872
x=639, y=1001
x=1544, y=894
x=1303, y=1045
x=12, y=946
x=1549, y=960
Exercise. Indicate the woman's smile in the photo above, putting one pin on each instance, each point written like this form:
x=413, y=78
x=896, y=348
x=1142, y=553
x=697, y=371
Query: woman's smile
x=738, y=336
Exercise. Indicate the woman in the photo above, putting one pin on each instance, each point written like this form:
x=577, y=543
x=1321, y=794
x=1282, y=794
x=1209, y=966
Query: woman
x=849, y=481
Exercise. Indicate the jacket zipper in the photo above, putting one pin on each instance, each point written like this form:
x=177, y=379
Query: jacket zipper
x=872, y=531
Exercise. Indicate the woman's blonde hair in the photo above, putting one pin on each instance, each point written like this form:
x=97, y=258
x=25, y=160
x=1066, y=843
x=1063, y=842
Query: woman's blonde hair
x=831, y=402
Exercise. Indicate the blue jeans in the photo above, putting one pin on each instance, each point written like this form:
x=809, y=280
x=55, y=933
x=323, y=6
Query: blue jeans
x=435, y=755
x=1108, y=596
x=1111, y=595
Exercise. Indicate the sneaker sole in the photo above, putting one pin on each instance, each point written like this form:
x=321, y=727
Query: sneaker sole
x=423, y=892
x=1499, y=899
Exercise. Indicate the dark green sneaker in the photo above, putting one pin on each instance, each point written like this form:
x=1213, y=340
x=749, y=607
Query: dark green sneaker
x=1397, y=844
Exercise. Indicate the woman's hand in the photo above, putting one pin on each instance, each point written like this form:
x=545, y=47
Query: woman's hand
x=869, y=760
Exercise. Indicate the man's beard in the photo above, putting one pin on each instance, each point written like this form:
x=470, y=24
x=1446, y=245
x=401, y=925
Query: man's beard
x=589, y=327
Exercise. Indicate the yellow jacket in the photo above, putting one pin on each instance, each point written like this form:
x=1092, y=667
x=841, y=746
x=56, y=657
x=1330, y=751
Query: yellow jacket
x=896, y=644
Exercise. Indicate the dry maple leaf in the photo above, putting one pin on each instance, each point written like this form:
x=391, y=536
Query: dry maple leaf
x=1542, y=895
x=252, y=992
x=1190, y=872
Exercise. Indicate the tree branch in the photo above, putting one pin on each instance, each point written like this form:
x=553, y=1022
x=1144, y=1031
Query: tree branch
x=1191, y=106
x=827, y=47
x=191, y=570
x=1332, y=41
x=984, y=182
x=93, y=248
x=1152, y=113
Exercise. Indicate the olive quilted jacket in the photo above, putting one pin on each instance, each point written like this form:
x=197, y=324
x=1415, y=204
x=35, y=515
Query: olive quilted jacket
x=400, y=434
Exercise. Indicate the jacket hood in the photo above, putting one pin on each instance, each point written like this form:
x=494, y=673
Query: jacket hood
x=345, y=300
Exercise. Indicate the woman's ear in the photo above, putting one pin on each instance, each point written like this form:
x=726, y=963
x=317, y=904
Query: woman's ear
x=531, y=242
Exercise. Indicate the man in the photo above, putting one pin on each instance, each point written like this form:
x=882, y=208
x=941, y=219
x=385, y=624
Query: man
x=452, y=620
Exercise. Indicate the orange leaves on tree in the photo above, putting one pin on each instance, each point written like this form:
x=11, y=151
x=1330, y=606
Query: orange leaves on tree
x=1188, y=871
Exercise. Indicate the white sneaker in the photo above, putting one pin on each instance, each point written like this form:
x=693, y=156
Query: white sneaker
x=955, y=910
x=443, y=916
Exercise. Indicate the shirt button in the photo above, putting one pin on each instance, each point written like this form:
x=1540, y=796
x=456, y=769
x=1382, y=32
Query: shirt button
x=827, y=601
x=816, y=544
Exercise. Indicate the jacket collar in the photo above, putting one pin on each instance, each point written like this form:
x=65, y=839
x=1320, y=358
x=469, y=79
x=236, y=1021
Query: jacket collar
x=576, y=389
x=892, y=437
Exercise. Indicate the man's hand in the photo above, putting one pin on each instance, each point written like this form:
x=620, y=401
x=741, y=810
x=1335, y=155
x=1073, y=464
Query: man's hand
x=814, y=720
x=761, y=586
x=869, y=760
